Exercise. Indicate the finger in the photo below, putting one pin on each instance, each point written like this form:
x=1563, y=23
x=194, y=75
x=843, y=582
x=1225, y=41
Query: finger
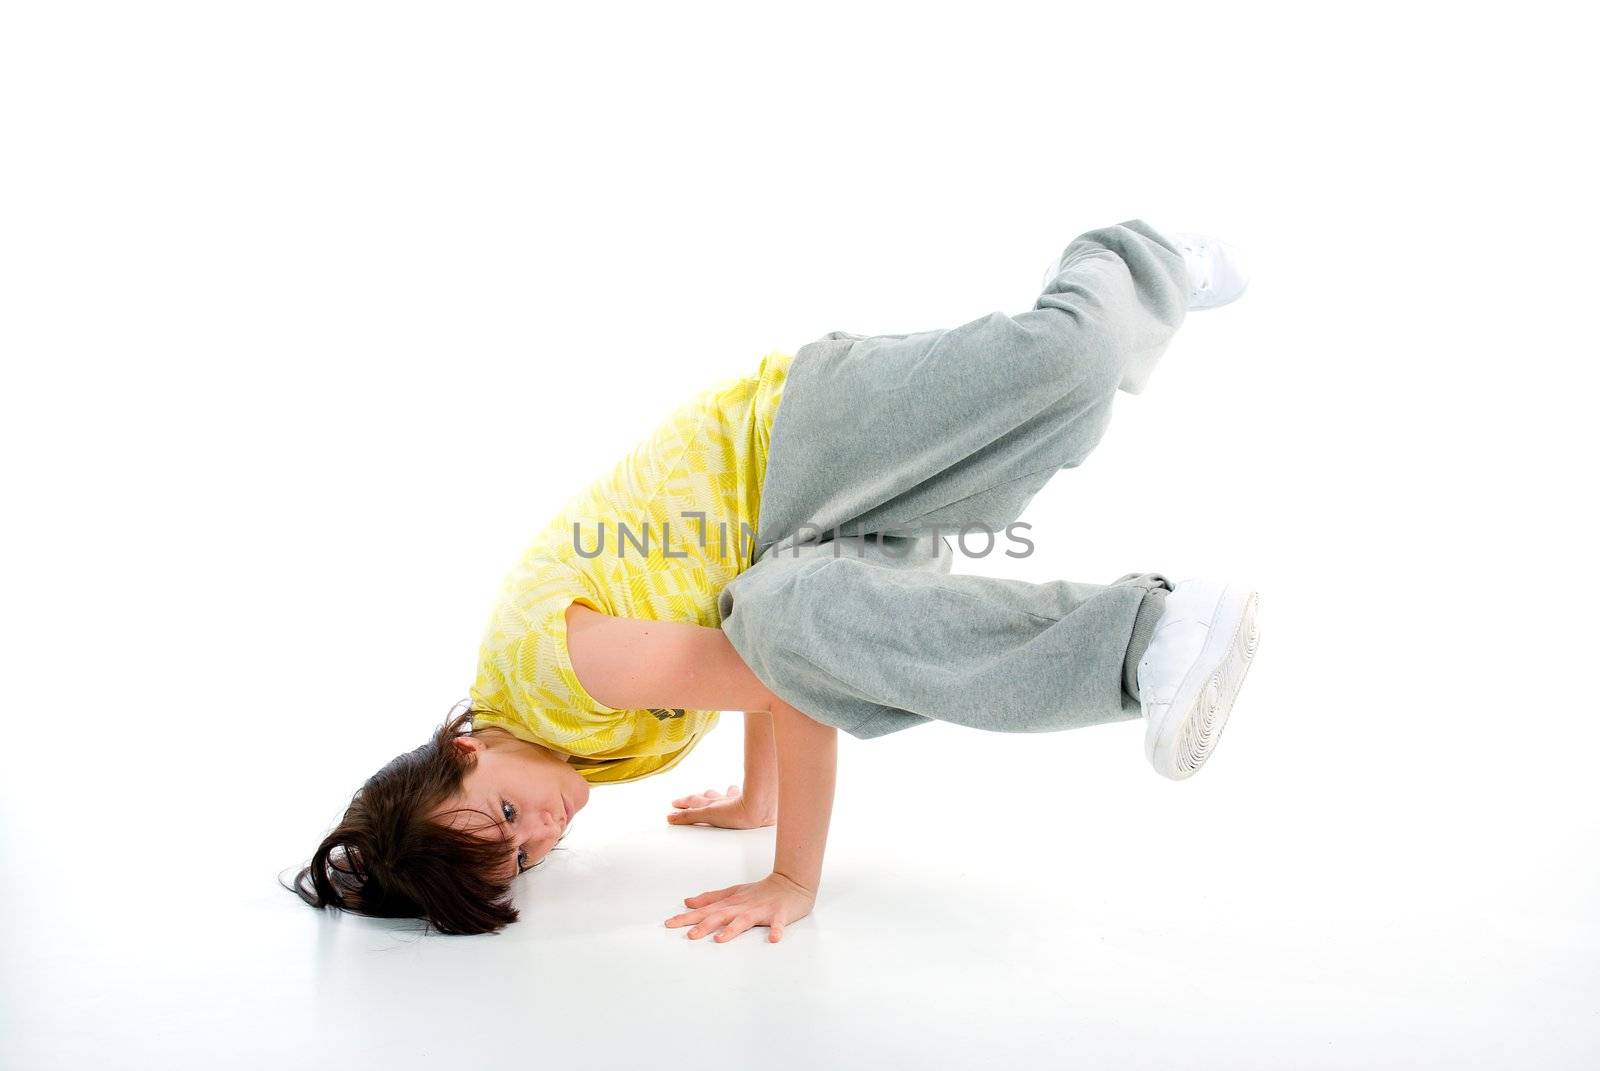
x=711, y=897
x=708, y=814
x=712, y=794
x=689, y=918
x=774, y=932
x=734, y=790
x=713, y=921
x=702, y=905
x=739, y=924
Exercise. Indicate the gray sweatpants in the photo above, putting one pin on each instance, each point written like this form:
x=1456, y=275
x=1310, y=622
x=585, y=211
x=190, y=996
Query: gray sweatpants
x=882, y=447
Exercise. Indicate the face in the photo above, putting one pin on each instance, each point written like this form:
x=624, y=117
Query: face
x=529, y=792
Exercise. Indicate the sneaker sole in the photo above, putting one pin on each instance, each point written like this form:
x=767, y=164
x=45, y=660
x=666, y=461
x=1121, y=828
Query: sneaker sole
x=1205, y=698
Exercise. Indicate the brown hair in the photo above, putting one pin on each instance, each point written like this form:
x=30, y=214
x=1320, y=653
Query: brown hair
x=387, y=858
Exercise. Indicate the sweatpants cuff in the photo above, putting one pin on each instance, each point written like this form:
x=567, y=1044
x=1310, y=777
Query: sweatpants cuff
x=1144, y=627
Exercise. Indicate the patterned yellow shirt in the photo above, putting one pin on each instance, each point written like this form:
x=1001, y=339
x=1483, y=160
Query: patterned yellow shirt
x=658, y=538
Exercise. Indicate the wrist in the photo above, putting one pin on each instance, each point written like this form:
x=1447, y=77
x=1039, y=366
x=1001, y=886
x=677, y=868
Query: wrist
x=804, y=888
x=759, y=803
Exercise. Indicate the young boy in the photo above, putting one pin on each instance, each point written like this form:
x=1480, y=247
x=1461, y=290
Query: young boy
x=780, y=547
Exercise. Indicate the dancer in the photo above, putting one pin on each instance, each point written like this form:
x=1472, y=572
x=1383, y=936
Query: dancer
x=781, y=546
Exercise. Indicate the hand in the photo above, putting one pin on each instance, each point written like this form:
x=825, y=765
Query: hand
x=773, y=902
x=733, y=811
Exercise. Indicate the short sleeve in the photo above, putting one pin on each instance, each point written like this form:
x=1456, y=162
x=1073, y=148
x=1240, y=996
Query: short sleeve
x=525, y=679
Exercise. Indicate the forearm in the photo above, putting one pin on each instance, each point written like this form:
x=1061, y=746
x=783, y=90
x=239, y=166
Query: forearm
x=760, y=758
x=629, y=664
x=807, y=762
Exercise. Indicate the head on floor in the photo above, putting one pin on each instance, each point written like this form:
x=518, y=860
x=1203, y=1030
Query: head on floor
x=441, y=832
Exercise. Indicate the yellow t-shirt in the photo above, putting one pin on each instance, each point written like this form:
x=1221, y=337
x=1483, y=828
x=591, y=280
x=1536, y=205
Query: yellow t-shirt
x=657, y=538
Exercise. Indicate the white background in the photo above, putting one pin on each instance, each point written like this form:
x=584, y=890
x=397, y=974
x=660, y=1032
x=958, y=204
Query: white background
x=310, y=314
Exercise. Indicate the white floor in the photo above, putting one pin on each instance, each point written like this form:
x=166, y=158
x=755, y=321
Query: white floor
x=311, y=322
x=985, y=904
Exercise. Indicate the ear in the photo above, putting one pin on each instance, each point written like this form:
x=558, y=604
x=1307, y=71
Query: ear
x=468, y=744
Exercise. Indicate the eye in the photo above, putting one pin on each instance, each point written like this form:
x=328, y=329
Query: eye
x=510, y=812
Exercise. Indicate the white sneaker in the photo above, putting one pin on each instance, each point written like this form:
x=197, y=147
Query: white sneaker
x=1190, y=674
x=1216, y=271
